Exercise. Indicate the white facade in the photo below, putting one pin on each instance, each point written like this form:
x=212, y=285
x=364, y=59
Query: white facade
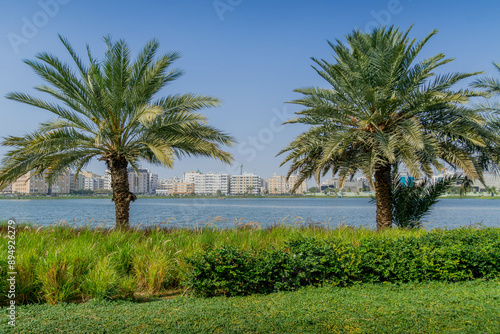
x=209, y=183
x=93, y=183
x=153, y=182
x=190, y=177
x=212, y=184
x=107, y=180
x=142, y=182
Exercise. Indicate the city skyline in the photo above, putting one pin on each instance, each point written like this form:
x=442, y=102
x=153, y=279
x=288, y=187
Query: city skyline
x=198, y=183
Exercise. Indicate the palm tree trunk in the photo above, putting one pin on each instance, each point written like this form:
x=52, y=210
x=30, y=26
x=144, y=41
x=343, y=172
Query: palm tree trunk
x=383, y=196
x=121, y=194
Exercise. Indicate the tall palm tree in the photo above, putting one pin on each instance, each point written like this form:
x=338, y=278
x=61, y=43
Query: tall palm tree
x=108, y=109
x=383, y=108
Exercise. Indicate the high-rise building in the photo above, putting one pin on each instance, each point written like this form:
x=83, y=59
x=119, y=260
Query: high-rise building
x=247, y=183
x=153, y=182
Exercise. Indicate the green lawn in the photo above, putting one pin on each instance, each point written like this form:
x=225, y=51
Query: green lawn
x=465, y=307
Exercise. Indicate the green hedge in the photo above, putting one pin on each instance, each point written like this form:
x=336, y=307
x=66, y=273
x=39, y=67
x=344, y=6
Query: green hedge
x=456, y=255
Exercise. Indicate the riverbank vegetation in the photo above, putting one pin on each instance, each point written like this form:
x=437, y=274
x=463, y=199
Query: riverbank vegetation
x=69, y=264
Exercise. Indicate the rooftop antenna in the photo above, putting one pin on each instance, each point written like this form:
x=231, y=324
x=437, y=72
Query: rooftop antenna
x=241, y=169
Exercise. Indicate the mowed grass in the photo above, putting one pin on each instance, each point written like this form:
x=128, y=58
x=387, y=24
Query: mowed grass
x=433, y=307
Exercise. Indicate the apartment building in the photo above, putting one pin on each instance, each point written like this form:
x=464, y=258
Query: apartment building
x=190, y=177
x=278, y=185
x=165, y=186
x=181, y=188
x=355, y=185
x=30, y=183
x=7, y=190
x=140, y=182
x=293, y=180
x=209, y=183
x=93, y=183
x=247, y=183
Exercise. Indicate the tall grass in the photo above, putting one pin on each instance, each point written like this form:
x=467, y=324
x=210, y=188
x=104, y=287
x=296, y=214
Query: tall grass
x=64, y=263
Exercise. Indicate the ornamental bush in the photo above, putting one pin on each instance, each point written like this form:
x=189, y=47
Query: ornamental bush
x=456, y=255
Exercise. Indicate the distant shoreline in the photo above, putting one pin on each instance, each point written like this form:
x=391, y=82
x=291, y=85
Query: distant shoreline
x=218, y=197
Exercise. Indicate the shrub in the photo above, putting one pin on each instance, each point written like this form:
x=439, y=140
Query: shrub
x=223, y=271
x=457, y=255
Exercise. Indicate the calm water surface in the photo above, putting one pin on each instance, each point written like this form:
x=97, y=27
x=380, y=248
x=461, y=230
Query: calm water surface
x=447, y=213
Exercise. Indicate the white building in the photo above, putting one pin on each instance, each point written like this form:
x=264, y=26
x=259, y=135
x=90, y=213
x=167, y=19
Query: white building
x=153, y=182
x=93, y=183
x=142, y=182
x=190, y=177
x=166, y=186
x=209, y=183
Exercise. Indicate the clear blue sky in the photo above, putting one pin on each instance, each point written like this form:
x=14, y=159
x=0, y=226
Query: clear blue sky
x=249, y=53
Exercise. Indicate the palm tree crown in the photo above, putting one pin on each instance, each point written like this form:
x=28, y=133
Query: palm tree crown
x=108, y=110
x=383, y=108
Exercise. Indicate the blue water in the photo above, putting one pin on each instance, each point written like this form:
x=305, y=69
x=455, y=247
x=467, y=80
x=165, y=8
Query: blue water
x=447, y=213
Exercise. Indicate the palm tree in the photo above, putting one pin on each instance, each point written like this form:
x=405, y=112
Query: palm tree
x=383, y=108
x=412, y=202
x=491, y=190
x=250, y=189
x=108, y=109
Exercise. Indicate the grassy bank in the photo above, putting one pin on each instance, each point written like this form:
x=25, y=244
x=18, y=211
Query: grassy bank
x=62, y=263
x=67, y=264
x=465, y=307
